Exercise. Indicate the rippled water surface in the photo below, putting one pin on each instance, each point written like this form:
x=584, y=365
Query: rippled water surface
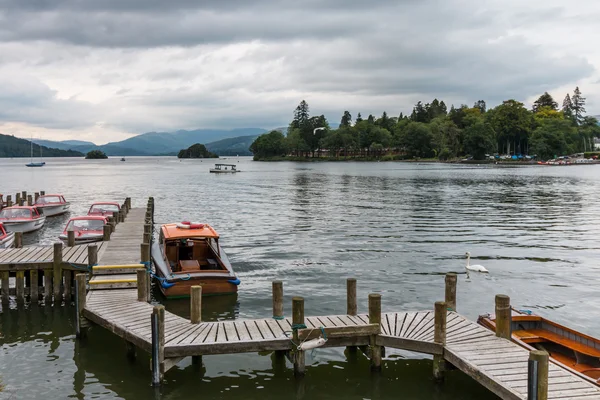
x=396, y=227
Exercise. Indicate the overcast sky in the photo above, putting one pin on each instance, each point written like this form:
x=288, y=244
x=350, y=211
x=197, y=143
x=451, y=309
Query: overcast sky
x=104, y=70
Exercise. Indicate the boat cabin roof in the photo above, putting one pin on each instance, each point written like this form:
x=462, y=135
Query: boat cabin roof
x=171, y=231
x=226, y=165
x=89, y=217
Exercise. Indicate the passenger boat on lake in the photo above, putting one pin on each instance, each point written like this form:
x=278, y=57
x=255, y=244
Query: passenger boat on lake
x=224, y=169
x=6, y=238
x=22, y=219
x=571, y=349
x=104, y=208
x=188, y=254
x=87, y=229
x=52, y=204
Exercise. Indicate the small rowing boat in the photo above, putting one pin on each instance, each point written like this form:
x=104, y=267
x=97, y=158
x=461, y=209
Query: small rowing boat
x=6, y=238
x=224, y=169
x=573, y=350
x=104, y=208
x=52, y=204
x=22, y=219
x=188, y=254
x=87, y=229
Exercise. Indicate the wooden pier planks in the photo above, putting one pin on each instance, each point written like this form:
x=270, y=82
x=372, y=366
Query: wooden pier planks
x=41, y=257
x=124, y=244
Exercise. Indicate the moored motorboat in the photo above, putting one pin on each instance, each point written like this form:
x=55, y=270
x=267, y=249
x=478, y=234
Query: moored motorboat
x=104, y=208
x=87, y=229
x=188, y=254
x=22, y=219
x=52, y=204
x=224, y=169
x=6, y=238
x=568, y=348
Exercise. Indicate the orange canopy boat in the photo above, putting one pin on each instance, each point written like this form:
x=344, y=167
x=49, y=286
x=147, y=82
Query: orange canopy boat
x=570, y=349
x=188, y=254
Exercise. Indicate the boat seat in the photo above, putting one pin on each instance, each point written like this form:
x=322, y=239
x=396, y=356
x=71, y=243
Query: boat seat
x=542, y=335
x=189, y=265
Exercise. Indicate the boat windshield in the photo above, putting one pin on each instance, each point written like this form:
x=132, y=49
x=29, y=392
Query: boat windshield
x=85, y=225
x=15, y=213
x=104, y=208
x=48, y=200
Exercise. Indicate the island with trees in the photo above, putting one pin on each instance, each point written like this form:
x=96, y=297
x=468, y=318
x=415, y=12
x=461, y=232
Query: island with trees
x=196, y=151
x=96, y=155
x=432, y=131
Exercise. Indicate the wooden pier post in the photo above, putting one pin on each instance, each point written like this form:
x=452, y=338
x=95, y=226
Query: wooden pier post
x=48, y=286
x=451, y=280
x=196, y=304
x=297, y=322
x=503, y=317
x=351, y=306
x=5, y=286
x=42, y=192
x=18, y=240
x=146, y=238
x=22, y=202
x=92, y=255
x=70, y=238
x=158, y=344
x=29, y=200
x=145, y=252
x=18, y=199
x=142, y=285
x=9, y=202
x=20, y=286
x=439, y=337
x=375, y=318
x=57, y=267
x=37, y=196
x=112, y=224
x=24, y=195
x=81, y=323
x=537, y=375
x=34, y=286
x=106, y=231
x=116, y=219
x=278, y=299
x=147, y=228
x=121, y=215
x=128, y=201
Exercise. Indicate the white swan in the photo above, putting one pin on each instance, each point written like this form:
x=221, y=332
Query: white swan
x=476, y=268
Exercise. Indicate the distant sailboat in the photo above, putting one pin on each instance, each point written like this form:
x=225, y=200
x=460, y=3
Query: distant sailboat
x=36, y=164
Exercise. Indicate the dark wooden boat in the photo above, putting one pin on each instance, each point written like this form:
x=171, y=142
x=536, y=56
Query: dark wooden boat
x=188, y=254
x=571, y=349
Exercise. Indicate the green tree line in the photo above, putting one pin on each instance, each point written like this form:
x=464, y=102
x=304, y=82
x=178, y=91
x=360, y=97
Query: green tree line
x=11, y=146
x=196, y=151
x=433, y=131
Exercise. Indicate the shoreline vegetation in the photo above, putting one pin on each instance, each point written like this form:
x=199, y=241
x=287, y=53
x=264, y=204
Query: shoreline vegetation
x=433, y=133
x=196, y=151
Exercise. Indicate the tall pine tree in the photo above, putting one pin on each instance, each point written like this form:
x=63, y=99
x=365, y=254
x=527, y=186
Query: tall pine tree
x=346, y=120
x=358, y=118
x=545, y=100
x=578, y=103
x=567, y=107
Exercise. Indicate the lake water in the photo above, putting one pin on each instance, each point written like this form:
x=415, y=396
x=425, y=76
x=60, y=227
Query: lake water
x=396, y=227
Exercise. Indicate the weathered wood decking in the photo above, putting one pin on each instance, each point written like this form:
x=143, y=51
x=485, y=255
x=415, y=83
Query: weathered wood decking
x=31, y=257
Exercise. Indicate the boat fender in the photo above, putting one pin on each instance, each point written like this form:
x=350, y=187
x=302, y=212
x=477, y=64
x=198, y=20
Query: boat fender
x=166, y=284
x=235, y=281
x=312, y=344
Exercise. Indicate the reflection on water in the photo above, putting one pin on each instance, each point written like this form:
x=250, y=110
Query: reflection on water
x=398, y=228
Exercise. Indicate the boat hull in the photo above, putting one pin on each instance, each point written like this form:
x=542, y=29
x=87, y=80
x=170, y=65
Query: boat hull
x=220, y=171
x=24, y=226
x=53, y=210
x=7, y=241
x=82, y=239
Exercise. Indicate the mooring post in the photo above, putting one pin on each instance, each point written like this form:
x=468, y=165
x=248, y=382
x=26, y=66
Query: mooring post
x=68, y=279
x=5, y=286
x=106, y=231
x=34, y=286
x=29, y=200
x=36, y=196
x=112, y=224
x=439, y=337
x=375, y=318
x=18, y=199
x=298, y=323
x=20, y=286
x=537, y=375
x=196, y=304
x=278, y=299
x=48, y=286
x=146, y=238
x=145, y=252
x=18, y=240
x=351, y=305
x=42, y=192
x=24, y=195
x=71, y=238
x=128, y=201
x=158, y=344
x=22, y=202
x=142, y=285
x=9, y=201
x=115, y=217
x=81, y=323
x=503, y=317
x=92, y=256
x=451, y=291
x=57, y=267
x=147, y=228
x=121, y=215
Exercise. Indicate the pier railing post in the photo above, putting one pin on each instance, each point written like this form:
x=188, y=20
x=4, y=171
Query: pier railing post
x=450, y=296
x=36, y=196
x=18, y=199
x=81, y=323
x=278, y=299
x=29, y=200
x=24, y=195
x=439, y=337
x=158, y=344
x=196, y=304
x=146, y=238
x=375, y=318
x=92, y=256
x=142, y=285
x=106, y=231
x=297, y=323
x=537, y=375
x=115, y=216
x=57, y=267
x=9, y=201
x=351, y=305
x=71, y=238
x=145, y=252
x=18, y=240
x=503, y=317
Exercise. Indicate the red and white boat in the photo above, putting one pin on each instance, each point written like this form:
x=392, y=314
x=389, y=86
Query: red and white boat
x=52, y=204
x=22, y=219
x=104, y=208
x=88, y=229
x=6, y=238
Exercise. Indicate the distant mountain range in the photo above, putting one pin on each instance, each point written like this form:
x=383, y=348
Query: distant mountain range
x=222, y=142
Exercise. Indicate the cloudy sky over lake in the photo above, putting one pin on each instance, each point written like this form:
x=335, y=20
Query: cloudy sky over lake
x=106, y=70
